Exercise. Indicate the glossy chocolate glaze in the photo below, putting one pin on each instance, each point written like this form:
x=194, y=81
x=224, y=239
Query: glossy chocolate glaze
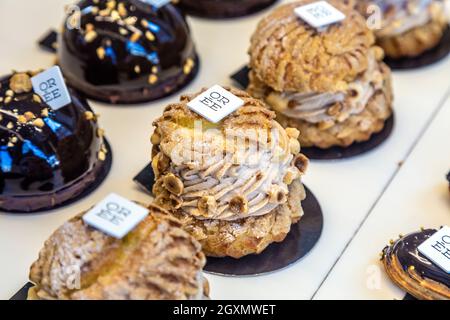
x=126, y=51
x=223, y=8
x=46, y=156
x=405, y=249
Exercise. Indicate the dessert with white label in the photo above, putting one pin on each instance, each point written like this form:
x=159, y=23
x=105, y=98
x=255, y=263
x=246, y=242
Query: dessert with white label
x=223, y=8
x=126, y=51
x=236, y=184
x=406, y=28
x=330, y=82
x=48, y=156
x=414, y=272
x=155, y=261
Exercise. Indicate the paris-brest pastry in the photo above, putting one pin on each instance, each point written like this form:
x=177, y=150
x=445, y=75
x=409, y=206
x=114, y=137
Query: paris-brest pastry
x=407, y=28
x=126, y=51
x=235, y=185
x=155, y=261
x=329, y=83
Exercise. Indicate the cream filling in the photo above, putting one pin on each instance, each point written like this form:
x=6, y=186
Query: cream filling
x=222, y=167
x=411, y=15
x=317, y=107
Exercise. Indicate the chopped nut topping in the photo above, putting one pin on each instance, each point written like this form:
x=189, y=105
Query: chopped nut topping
x=152, y=79
x=44, y=112
x=100, y=132
x=239, y=205
x=37, y=98
x=149, y=36
x=10, y=125
x=29, y=115
x=9, y=93
x=89, y=115
x=20, y=82
x=173, y=184
x=101, y=53
x=135, y=37
x=101, y=156
x=90, y=36
x=39, y=123
x=137, y=69
x=22, y=119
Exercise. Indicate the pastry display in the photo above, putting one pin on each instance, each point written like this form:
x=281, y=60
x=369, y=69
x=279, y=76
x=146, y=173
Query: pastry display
x=408, y=27
x=126, y=51
x=47, y=156
x=330, y=84
x=235, y=185
x=155, y=261
x=223, y=8
x=412, y=271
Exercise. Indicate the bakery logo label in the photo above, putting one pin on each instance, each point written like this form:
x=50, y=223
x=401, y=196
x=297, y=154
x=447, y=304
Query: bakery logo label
x=50, y=86
x=215, y=104
x=115, y=216
x=437, y=248
x=319, y=14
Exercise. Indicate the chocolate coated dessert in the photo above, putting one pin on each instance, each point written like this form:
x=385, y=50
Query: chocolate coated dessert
x=223, y=8
x=47, y=156
x=126, y=51
x=412, y=271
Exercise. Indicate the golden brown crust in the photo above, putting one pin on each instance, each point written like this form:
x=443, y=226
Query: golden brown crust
x=289, y=55
x=414, y=42
x=157, y=260
x=250, y=235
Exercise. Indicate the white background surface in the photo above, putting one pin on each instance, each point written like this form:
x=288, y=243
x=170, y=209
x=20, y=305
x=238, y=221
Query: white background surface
x=352, y=192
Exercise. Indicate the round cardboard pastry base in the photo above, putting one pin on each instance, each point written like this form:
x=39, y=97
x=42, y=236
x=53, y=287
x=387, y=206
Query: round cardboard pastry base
x=103, y=173
x=300, y=241
x=427, y=58
x=356, y=149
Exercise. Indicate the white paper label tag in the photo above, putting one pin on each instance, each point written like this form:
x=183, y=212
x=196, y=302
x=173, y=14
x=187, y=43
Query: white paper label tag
x=319, y=14
x=437, y=248
x=157, y=3
x=115, y=216
x=215, y=104
x=50, y=86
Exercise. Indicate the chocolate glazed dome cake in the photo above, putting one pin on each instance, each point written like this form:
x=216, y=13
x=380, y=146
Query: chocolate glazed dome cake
x=47, y=156
x=223, y=8
x=126, y=51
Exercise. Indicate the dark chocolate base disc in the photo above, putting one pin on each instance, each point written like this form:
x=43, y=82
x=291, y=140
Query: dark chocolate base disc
x=356, y=149
x=300, y=241
x=429, y=57
x=22, y=294
x=211, y=11
x=103, y=173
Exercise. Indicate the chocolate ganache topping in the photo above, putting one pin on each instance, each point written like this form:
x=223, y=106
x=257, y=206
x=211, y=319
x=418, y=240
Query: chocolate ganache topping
x=46, y=156
x=126, y=51
x=405, y=250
